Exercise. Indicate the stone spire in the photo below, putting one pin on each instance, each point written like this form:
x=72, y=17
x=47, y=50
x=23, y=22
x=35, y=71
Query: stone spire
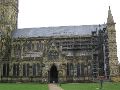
x=112, y=46
x=110, y=17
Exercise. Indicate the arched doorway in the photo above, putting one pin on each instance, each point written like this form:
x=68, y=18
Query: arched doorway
x=53, y=74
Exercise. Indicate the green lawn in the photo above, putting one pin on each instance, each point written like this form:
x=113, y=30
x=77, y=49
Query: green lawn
x=91, y=86
x=69, y=86
x=25, y=86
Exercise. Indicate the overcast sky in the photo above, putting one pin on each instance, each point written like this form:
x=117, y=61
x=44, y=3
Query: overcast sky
x=42, y=13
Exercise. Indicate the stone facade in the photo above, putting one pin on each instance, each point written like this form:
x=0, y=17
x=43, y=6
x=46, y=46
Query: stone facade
x=46, y=57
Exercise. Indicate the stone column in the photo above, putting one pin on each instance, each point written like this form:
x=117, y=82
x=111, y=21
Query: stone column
x=45, y=74
x=62, y=73
x=31, y=69
x=11, y=69
x=20, y=69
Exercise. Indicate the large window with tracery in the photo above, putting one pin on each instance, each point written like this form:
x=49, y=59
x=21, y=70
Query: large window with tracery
x=53, y=55
x=34, y=69
x=78, y=70
x=70, y=69
x=5, y=69
x=15, y=69
x=25, y=70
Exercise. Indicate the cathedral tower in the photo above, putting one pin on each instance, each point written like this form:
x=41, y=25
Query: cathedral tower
x=8, y=23
x=113, y=59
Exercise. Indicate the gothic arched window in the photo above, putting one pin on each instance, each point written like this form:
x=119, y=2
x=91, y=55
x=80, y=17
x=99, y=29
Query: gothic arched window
x=53, y=55
x=16, y=70
x=68, y=68
x=78, y=69
x=71, y=69
x=29, y=46
x=34, y=69
x=25, y=69
x=5, y=70
x=38, y=69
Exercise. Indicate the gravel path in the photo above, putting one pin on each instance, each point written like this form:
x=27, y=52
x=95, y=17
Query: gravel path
x=54, y=87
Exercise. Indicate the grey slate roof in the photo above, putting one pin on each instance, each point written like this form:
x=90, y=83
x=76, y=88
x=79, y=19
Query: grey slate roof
x=56, y=31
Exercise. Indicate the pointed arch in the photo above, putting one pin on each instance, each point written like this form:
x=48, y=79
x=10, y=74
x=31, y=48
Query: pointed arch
x=53, y=74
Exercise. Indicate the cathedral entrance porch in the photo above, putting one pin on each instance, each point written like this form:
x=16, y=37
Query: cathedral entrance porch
x=53, y=74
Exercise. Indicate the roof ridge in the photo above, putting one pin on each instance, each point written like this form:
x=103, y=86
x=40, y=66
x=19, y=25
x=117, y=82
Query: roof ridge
x=61, y=26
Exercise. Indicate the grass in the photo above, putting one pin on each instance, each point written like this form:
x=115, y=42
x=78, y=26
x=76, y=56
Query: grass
x=69, y=86
x=91, y=86
x=23, y=86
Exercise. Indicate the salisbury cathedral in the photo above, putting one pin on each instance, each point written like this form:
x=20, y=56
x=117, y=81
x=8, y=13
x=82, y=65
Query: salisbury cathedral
x=55, y=54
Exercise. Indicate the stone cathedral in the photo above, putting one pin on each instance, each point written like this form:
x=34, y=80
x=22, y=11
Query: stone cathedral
x=55, y=54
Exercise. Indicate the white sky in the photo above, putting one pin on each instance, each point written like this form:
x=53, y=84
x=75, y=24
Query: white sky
x=40, y=13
